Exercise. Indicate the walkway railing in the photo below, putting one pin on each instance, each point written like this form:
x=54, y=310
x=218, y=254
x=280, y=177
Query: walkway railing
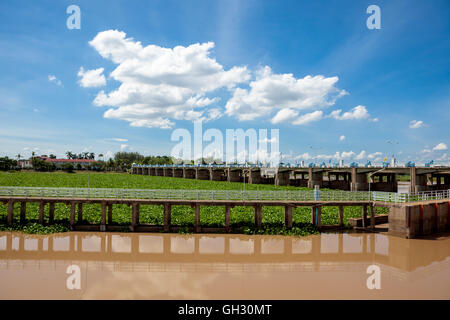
x=249, y=195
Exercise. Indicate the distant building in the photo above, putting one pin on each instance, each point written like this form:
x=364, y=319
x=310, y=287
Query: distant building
x=24, y=163
x=75, y=162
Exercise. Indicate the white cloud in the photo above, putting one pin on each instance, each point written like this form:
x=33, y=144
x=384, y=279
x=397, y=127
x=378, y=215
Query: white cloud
x=426, y=151
x=284, y=115
x=119, y=139
x=270, y=92
x=415, y=124
x=160, y=85
x=91, y=78
x=346, y=155
x=361, y=155
x=52, y=78
x=305, y=156
x=374, y=155
x=308, y=117
x=440, y=146
x=342, y=138
x=124, y=147
x=357, y=113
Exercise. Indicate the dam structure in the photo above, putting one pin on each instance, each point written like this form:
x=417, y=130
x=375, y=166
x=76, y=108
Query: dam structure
x=341, y=178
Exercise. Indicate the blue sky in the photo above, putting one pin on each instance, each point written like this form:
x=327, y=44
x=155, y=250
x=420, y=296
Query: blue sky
x=318, y=55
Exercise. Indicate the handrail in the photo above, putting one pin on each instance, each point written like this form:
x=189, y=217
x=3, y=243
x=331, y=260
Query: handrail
x=181, y=194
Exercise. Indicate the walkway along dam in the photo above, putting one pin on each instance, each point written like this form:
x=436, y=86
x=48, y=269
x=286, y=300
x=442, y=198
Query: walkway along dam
x=342, y=178
x=410, y=215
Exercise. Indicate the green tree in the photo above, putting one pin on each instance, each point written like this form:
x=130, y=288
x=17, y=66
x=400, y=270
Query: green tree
x=68, y=167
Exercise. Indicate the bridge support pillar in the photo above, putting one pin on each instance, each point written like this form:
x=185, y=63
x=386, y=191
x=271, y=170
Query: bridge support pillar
x=364, y=216
x=189, y=173
x=418, y=182
x=215, y=175
x=10, y=218
x=41, y=212
x=314, y=178
x=23, y=212
x=341, y=216
x=202, y=174
x=80, y=212
x=197, y=218
x=51, y=212
x=72, y=214
x=134, y=216
x=359, y=181
x=288, y=217
x=177, y=173
x=168, y=172
x=258, y=216
x=227, y=219
x=282, y=178
x=233, y=175
x=167, y=217
x=103, y=218
x=110, y=218
x=254, y=176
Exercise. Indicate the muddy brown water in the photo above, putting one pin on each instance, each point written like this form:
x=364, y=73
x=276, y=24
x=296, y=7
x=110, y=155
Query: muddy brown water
x=203, y=266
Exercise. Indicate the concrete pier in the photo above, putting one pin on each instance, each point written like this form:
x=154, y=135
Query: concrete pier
x=315, y=178
x=413, y=220
x=189, y=173
x=254, y=176
x=282, y=178
x=217, y=174
x=234, y=175
x=168, y=172
x=202, y=174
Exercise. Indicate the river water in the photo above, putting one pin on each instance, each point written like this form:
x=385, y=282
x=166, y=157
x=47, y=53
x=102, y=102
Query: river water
x=172, y=266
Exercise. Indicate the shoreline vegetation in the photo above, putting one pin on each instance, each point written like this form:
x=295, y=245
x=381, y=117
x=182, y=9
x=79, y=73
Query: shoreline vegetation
x=241, y=217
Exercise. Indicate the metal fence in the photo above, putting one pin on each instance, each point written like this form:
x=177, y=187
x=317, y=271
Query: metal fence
x=249, y=195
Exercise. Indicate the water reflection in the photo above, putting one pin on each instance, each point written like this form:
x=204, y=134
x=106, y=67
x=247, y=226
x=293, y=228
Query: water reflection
x=188, y=261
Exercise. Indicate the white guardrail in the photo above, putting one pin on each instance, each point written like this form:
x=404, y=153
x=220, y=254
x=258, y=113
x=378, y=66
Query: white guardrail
x=179, y=194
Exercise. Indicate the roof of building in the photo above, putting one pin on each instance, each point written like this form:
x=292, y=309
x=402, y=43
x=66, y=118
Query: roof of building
x=69, y=160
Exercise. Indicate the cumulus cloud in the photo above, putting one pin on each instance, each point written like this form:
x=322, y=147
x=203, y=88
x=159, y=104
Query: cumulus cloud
x=346, y=155
x=160, y=85
x=374, y=155
x=124, y=147
x=362, y=155
x=52, y=78
x=440, y=146
x=284, y=115
x=415, y=124
x=342, y=138
x=118, y=139
x=357, y=113
x=308, y=117
x=305, y=156
x=91, y=78
x=270, y=92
